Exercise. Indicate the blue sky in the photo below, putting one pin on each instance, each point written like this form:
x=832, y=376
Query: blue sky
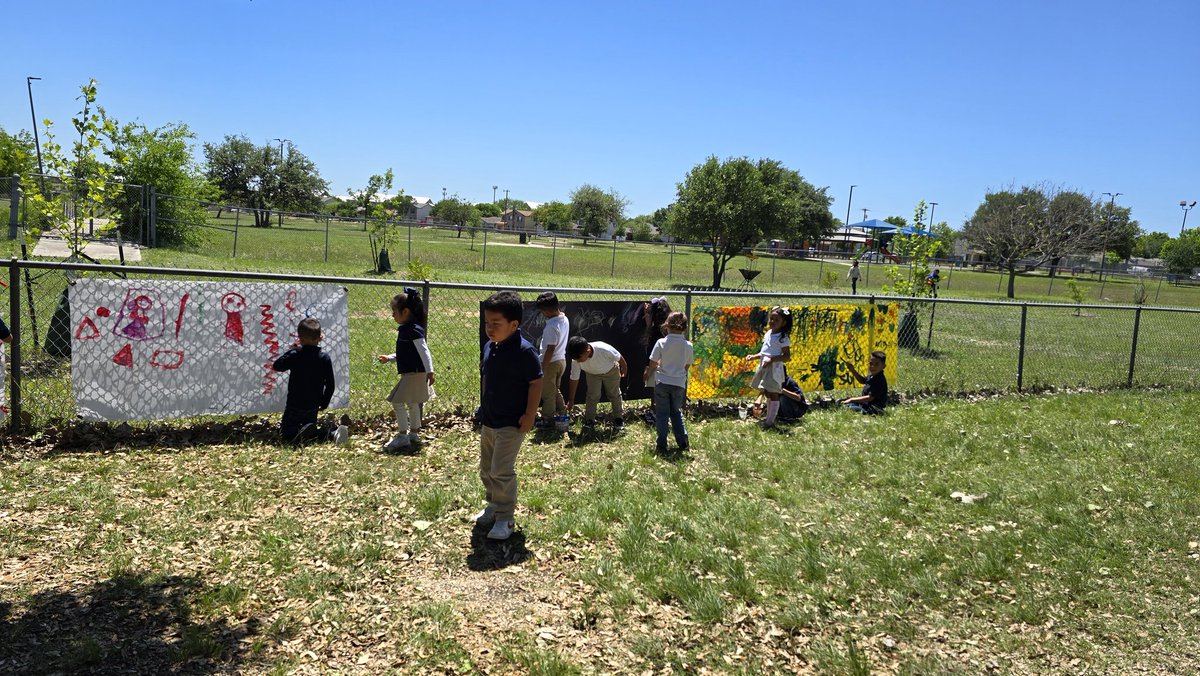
x=939, y=101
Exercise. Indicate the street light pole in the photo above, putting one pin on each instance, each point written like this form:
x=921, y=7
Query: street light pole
x=1112, y=198
x=281, y=142
x=932, y=206
x=494, y=193
x=846, y=241
x=443, y=194
x=1183, y=204
x=37, y=144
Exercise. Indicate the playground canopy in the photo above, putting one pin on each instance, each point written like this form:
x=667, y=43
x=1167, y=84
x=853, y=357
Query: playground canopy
x=909, y=230
x=873, y=224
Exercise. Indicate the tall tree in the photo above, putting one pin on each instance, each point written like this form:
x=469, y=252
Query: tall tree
x=17, y=155
x=488, y=209
x=1123, y=231
x=596, y=209
x=1182, y=255
x=1150, y=245
x=257, y=177
x=732, y=205
x=163, y=158
x=554, y=216
x=1033, y=226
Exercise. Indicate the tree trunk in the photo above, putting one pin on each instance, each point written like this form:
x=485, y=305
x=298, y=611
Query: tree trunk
x=1054, y=265
x=1012, y=278
x=716, y=270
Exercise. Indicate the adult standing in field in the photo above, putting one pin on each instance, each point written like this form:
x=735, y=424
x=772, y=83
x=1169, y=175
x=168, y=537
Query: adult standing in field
x=853, y=276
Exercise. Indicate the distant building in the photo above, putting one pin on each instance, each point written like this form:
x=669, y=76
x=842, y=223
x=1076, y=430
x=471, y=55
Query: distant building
x=518, y=220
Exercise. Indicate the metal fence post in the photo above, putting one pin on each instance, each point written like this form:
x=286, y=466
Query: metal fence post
x=237, y=217
x=485, y=249
x=1137, y=322
x=153, y=217
x=410, y=242
x=687, y=309
x=1021, y=351
x=14, y=318
x=553, y=251
x=14, y=205
x=425, y=300
x=326, y=239
x=671, y=265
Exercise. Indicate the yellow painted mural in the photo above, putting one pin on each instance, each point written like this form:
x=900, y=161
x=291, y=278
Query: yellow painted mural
x=824, y=338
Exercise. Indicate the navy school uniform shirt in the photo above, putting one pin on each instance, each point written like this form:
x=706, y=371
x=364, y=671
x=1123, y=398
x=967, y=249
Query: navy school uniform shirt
x=4, y=332
x=877, y=387
x=310, y=385
x=408, y=356
x=507, y=369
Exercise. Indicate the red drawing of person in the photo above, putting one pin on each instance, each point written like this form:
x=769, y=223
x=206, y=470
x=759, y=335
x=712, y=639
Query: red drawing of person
x=233, y=304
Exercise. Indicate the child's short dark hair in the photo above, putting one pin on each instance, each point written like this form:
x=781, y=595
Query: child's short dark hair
x=507, y=303
x=309, y=327
x=547, y=301
x=881, y=356
x=576, y=346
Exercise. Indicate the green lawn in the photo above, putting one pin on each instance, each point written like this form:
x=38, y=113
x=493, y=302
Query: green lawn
x=971, y=348
x=834, y=546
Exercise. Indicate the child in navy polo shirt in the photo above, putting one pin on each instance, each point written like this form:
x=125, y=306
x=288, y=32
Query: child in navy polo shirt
x=310, y=388
x=874, y=395
x=511, y=380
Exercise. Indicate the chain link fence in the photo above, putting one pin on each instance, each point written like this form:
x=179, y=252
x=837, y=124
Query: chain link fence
x=947, y=346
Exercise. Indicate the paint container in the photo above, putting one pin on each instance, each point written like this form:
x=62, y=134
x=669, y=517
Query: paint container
x=562, y=422
x=742, y=412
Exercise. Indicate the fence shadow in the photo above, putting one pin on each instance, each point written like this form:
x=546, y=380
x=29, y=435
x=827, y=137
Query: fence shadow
x=131, y=623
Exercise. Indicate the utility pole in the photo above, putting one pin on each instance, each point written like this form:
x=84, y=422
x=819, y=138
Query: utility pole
x=37, y=144
x=494, y=193
x=1183, y=204
x=865, y=210
x=846, y=241
x=1112, y=198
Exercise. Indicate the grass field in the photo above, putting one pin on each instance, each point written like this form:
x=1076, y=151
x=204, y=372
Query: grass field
x=834, y=546
x=970, y=348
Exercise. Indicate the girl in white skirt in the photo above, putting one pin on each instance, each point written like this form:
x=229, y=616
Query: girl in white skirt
x=776, y=351
x=414, y=363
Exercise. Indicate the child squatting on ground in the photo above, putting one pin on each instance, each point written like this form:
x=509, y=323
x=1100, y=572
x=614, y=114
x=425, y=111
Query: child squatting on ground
x=875, y=387
x=606, y=367
x=669, y=361
x=310, y=388
x=511, y=381
x=414, y=363
x=775, y=353
x=553, y=357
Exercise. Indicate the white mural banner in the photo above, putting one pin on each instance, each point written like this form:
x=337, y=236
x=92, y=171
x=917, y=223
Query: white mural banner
x=150, y=349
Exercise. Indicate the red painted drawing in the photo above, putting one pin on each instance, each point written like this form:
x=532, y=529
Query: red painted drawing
x=167, y=360
x=233, y=304
x=142, y=316
x=124, y=357
x=87, y=330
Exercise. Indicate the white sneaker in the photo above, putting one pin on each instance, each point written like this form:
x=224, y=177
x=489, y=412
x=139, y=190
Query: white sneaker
x=501, y=530
x=341, y=436
x=398, y=443
x=485, y=515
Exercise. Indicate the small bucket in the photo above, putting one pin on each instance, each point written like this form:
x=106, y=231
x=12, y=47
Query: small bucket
x=561, y=423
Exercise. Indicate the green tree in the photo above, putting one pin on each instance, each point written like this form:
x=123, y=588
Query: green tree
x=735, y=204
x=368, y=205
x=594, y=209
x=1150, y=245
x=257, y=177
x=1182, y=255
x=1122, y=230
x=163, y=158
x=459, y=212
x=1033, y=226
x=488, y=209
x=17, y=155
x=553, y=216
x=641, y=228
x=898, y=221
x=80, y=184
x=946, y=237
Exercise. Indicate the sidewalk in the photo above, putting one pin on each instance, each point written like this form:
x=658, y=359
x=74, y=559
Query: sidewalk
x=53, y=245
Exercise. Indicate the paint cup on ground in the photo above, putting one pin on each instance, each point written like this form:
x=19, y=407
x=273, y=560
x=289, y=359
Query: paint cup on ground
x=742, y=412
x=562, y=423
